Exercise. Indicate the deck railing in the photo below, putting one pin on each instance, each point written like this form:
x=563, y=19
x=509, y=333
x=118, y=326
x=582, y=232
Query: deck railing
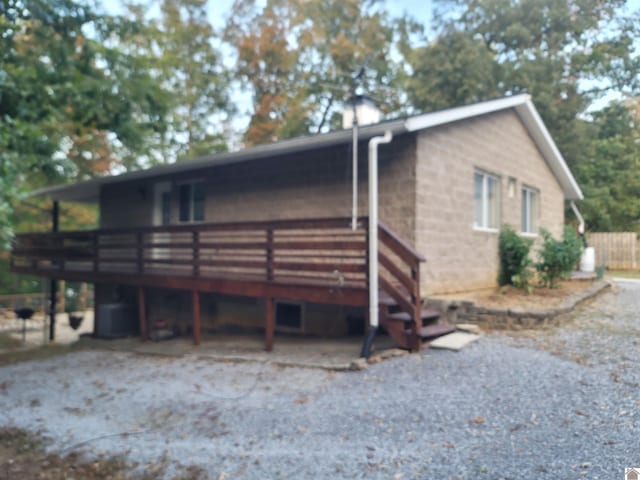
x=315, y=252
x=304, y=251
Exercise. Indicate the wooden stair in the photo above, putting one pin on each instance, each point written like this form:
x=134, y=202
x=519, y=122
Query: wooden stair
x=398, y=325
x=401, y=310
x=427, y=316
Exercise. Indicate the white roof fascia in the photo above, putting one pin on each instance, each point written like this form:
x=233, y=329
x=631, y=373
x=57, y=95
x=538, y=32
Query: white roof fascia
x=549, y=150
x=427, y=120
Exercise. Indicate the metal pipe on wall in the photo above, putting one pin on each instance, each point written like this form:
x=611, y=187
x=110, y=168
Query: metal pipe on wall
x=373, y=226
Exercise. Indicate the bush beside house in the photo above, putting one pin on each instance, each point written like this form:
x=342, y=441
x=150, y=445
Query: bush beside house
x=557, y=258
x=515, y=264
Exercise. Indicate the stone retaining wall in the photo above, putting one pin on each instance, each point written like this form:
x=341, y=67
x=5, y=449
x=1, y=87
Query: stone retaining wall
x=461, y=311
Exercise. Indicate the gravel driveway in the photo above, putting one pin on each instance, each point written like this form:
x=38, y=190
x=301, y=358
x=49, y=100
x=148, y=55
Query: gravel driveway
x=558, y=404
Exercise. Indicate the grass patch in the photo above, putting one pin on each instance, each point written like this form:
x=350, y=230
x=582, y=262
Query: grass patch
x=8, y=342
x=15, y=354
x=23, y=455
x=624, y=273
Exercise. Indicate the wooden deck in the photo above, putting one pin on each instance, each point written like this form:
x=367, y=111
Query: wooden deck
x=314, y=260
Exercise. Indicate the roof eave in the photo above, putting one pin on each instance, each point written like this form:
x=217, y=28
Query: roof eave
x=549, y=150
x=427, y=120
x=88, y=191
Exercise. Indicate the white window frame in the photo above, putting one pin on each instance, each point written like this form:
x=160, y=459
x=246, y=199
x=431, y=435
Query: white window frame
x=191, y=218
x=529, y=221
x=484, y=223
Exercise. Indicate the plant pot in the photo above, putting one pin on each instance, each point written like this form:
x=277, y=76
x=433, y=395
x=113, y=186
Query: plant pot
x=75, y=320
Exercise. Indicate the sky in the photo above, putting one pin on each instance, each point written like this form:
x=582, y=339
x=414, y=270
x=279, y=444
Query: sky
x=219, y=9
x=419, y=9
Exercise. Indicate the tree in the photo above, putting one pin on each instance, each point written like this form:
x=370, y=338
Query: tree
x=343, y=39
x=266, y=63
x=565, y=54
x=299, y=59
x=62, y=98
x=454, y=69
x=182, y=55
x=610, y=174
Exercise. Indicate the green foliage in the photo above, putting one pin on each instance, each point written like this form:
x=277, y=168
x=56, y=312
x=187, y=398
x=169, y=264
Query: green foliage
x=609, y=174
x=11, y=283
x=180, y=53
x=455, y=69
x=558, y=258
x=515, y=264
x=72, y=105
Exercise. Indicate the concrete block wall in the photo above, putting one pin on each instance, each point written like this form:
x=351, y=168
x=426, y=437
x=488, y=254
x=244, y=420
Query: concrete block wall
x=460, y=257
x=310, y=185
x=127, y=204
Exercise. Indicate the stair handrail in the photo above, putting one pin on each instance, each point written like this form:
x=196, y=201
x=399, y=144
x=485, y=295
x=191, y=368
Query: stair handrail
x=412, y=259
x=403, y=248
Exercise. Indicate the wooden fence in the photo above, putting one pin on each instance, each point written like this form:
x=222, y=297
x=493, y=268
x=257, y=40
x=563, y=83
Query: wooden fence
x=616, y=250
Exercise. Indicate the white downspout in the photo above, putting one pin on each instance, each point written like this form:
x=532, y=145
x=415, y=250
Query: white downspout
x=373, y=226
x=578, y=216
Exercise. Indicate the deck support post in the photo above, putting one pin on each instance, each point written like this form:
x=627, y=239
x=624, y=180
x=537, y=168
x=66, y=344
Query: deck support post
x=142, y=314
x=415, y=341
x=195, y=300
x=269, y=324
x=52, y=309
x=55, y=219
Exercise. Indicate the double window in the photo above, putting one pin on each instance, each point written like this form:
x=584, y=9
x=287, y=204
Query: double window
x=529, y=210
x=486, y=201
x=192, y=200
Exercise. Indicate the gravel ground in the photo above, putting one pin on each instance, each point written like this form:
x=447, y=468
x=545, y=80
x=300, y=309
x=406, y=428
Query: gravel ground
x=562, y=403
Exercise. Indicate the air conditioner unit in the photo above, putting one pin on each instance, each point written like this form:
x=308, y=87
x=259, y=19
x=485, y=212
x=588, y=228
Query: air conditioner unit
x=116, y=320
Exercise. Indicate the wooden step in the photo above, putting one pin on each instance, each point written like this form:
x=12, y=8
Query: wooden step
x=434, y=331
x=396, y=331
x=386, y=300
x=426, y=314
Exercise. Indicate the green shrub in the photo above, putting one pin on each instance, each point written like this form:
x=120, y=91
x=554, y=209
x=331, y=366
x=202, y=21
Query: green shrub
x=575, y=247
x=514, y=259
x=558, y=258
x=523, y=279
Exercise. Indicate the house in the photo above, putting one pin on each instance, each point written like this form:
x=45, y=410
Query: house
x=227, y=238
